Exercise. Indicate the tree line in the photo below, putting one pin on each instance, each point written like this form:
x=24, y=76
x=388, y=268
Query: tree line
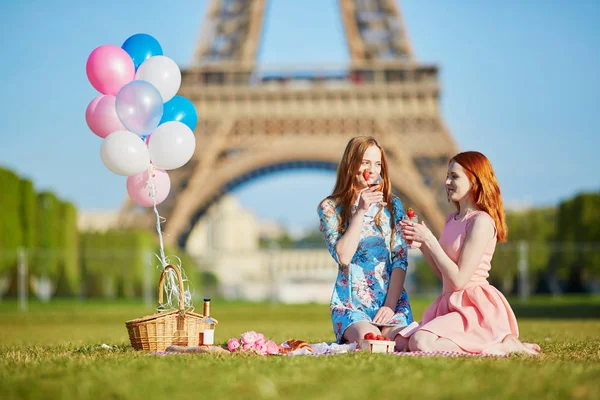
x=42, y=228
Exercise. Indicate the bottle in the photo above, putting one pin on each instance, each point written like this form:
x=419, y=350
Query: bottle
x=207, y=334
x=412, y=217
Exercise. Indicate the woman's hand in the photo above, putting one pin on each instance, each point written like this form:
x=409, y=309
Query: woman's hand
x=383, y=315
x=414, y=245
x=369, y=196
x=418, y=233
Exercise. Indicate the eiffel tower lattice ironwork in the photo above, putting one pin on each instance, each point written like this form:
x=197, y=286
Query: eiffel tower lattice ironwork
x=254, y=121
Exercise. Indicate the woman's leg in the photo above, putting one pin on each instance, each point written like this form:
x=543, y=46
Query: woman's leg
x=391, y=333
x=358, y=330
x=427, y=341
x=511, y=344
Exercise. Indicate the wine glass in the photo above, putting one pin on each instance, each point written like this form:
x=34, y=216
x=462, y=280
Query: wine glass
x=375, y=180
x=415, y=220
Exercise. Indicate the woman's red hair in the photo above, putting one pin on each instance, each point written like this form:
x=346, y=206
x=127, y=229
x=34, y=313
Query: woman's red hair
x=485, y=192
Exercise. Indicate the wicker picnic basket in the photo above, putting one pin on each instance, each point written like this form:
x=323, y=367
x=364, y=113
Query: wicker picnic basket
x=158, y=331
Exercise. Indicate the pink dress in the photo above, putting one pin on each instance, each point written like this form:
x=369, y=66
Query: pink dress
x=476, y=316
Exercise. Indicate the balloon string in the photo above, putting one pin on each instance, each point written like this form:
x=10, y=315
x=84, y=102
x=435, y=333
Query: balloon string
x=152, y=186
x=171, y=286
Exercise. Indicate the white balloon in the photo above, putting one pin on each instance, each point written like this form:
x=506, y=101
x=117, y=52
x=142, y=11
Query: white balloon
x=171, y=145
x=163, y=73
x=124, y=153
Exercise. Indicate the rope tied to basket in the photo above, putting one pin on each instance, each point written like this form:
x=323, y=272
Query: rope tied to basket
x=176, y=279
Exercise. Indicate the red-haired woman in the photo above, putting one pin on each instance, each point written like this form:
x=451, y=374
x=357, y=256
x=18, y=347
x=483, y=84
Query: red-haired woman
x=471, y=315
x=361, y=226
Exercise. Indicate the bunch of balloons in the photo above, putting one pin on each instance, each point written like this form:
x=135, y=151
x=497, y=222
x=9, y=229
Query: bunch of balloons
x=146, y=129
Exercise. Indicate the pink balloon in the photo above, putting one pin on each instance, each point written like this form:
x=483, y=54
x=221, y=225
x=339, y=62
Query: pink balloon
x=139, y=192
x=108, y=68
x=101, y=116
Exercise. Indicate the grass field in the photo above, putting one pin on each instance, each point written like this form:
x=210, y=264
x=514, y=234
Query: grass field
x=53, y=352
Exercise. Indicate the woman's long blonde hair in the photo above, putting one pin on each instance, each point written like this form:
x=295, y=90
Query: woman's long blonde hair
x=345, y=189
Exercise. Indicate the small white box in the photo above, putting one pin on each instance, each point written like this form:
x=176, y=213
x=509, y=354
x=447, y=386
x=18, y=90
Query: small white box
x=377, y=346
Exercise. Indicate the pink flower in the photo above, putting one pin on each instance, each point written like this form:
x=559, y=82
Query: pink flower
x=272, y=347
x=233, y=344
x=247, y=347
x=261, y=348
x=260, y=339
x=249, y=337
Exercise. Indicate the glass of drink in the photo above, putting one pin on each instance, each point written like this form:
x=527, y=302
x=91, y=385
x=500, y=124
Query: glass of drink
x=412, y=217
x=375, y=180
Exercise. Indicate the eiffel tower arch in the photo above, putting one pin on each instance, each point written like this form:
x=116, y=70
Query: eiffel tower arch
x=254, y=121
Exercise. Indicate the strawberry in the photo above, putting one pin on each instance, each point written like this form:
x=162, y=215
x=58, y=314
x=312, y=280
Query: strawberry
x=370, y=336
x=410, y=213
x=366, y=174
x=380, y=337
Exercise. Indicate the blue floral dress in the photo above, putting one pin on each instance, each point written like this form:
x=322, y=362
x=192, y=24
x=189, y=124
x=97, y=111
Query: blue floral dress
x=361, y=286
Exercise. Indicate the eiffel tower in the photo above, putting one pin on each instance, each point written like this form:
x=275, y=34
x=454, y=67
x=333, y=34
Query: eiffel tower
x=253, y=121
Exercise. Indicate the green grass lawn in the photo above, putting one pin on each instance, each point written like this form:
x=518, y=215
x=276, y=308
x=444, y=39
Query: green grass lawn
x=53, y=352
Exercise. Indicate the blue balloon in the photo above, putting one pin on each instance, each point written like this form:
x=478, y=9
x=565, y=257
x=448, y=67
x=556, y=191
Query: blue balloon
x=141, y=47
x=182, y=110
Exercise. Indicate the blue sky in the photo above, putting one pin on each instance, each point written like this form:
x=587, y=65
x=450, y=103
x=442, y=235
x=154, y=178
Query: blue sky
x=519, y=80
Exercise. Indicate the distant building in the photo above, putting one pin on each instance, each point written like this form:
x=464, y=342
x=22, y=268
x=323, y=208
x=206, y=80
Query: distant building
x=226, y=227
x=97, y=220
x=270, y=230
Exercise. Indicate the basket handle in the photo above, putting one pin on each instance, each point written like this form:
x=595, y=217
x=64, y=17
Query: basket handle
x=161, y=283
